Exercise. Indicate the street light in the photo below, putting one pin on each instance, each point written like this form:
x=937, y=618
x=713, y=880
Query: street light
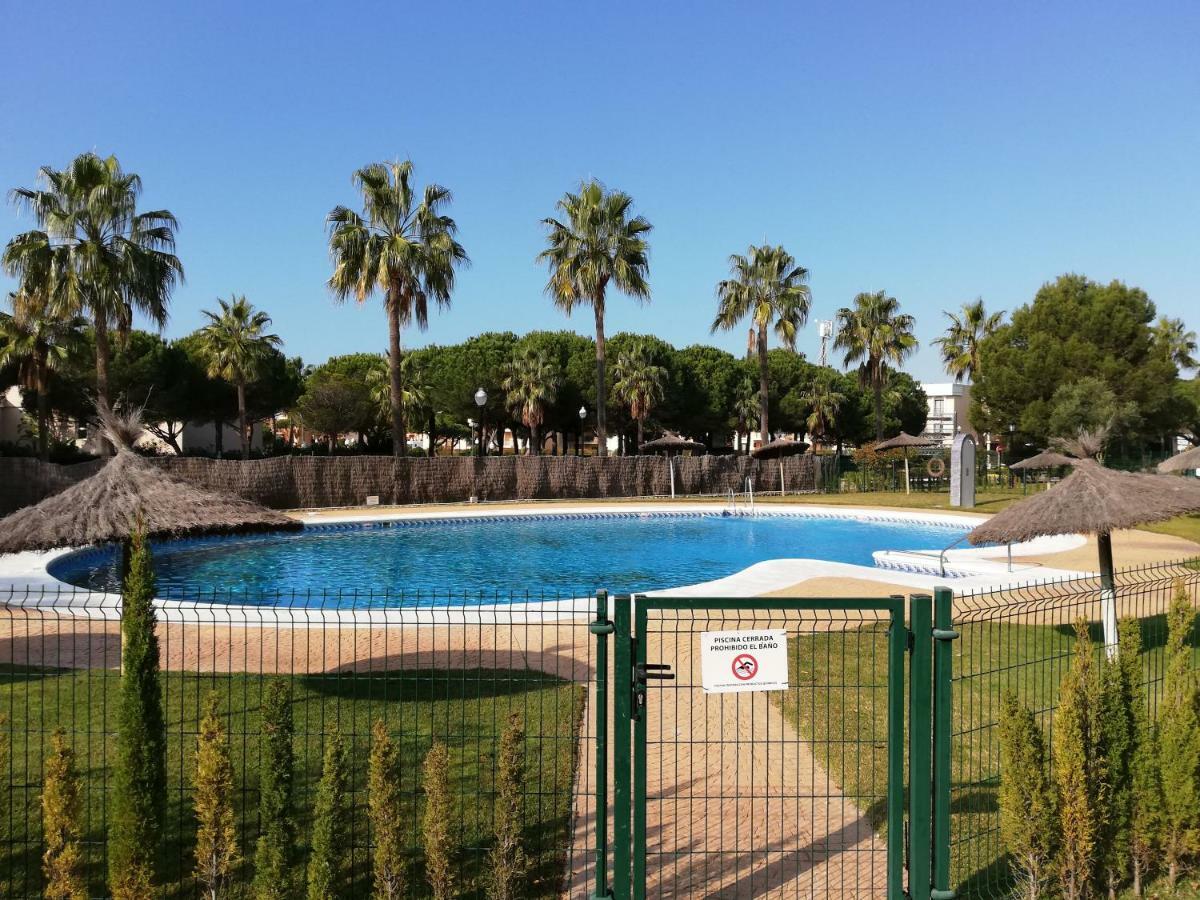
x=579, y=439
x=481, y=399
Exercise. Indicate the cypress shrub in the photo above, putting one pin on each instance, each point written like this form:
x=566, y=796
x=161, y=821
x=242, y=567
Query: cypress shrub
x=216, y=832
x=508, y=862
x=275, y=876
x=331, y=823
x=62, y=862
x=139, y=782
x=437, y=823
x=1145, y=792
x=1076, y=771
x=1028, y=819
x=1179, y=741
x=1120, y=678
x=388, y=870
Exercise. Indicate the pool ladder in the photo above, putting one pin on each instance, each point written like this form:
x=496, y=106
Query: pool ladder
x=747, y=501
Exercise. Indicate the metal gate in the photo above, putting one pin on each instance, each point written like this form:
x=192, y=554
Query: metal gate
x=783, y=793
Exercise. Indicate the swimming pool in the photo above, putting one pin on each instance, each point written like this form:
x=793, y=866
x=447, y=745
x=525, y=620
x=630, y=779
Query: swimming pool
x=487, y=559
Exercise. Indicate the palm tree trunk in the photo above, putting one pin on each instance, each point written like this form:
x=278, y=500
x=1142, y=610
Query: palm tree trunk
x=219, y=437
x=102, y=353
x=241, y=398
x=432, y=432
x=762, y=384
x=399, y=436
x=877, y=383
x=535, y=446
x=43, y=405
x=601, y=393
x=640, y=422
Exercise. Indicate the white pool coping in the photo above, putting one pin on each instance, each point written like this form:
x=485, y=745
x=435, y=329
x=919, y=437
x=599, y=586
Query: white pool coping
x=26, y=582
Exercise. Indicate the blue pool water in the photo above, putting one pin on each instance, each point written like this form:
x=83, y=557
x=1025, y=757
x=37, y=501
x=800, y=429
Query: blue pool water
x=480, y=560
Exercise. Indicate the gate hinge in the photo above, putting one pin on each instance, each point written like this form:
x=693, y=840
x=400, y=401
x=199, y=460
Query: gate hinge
x=935, y=894
x=945, y=634
x=602, y=627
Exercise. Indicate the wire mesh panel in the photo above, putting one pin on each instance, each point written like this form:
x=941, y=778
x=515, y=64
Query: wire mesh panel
x=455, y=670
x=1022, y=640
x=771, y=794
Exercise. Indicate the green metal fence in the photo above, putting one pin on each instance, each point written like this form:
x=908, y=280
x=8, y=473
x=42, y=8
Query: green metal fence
x=1022, y=640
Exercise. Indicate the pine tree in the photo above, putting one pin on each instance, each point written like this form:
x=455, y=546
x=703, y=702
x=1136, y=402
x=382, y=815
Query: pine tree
x=437, y=824
x=1119, y=680
x=1179, y=741
x=331, y=823
x=139, y=783
x=1076, y=770
x=62, y=863
x=388, y=867
x=216, y=833
x=1145, y=793
x=275, y=876
x=508, y=862
x=1028, y=819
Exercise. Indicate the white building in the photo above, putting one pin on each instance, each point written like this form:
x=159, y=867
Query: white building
x=10, y=416
x=949, y=411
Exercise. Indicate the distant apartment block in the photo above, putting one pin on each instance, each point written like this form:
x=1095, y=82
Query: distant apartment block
x=949, y=409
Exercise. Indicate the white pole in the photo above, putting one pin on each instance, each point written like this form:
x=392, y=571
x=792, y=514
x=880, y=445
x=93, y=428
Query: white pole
x=671, y=469
x=782, y=483
x=906, y=488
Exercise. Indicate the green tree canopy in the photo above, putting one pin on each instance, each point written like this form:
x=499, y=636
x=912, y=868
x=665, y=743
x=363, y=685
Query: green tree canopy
x=1075, y=328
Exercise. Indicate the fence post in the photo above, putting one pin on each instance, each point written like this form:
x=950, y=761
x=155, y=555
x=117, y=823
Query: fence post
x=920, y=737
x=897, y=645
x=622, y=789
x=601, y=627
x=943, y=667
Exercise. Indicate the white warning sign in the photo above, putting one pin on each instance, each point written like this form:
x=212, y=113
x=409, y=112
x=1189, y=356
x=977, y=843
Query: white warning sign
x=735, y=661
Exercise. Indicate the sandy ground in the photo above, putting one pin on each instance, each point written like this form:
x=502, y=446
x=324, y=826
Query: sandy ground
x=737, y=803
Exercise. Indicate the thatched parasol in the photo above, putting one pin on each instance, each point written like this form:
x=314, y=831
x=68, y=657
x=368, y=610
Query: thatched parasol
x=1093, y=500
x=779, y=448
x=1047, y=459
x=671, y=443
x=1181, y=462
x=126, y=493
x=904, y=440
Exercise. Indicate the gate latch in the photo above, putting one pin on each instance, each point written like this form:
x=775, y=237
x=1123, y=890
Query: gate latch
x=642, y=672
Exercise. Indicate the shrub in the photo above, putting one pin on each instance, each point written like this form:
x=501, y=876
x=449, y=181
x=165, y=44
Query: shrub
x=1145, y=791
x=331, y=823
x=388, y=869
x=1119, y=683
x=1076, y=771
x=1179, y=741
x=437, y=824
x=62, y=862
x=139, y=784
x=216, y=832
x=508, y=862
x=275, y=856
x=1028, y=822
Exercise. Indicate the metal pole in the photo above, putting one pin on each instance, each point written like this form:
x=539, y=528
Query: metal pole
x=1108, y=594
x=601, y=627
x=622, y=790
x=638, y=891
x=920, y=736
x=897, y=644
x=943, y=670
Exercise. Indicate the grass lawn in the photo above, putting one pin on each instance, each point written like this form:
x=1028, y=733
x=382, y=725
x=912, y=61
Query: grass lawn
x=848, y=727
x=466, y=709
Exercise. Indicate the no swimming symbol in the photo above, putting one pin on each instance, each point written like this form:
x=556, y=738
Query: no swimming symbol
x=737, y=661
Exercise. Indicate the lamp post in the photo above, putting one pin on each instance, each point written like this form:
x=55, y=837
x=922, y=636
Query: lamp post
x=481, y=399
x=579, y=440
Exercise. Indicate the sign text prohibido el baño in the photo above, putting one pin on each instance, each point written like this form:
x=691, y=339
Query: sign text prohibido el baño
x=736, y=661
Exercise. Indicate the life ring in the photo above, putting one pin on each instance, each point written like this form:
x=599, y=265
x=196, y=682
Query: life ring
x=936, y=467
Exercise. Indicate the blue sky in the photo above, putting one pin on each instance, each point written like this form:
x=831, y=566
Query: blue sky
x=940, y=151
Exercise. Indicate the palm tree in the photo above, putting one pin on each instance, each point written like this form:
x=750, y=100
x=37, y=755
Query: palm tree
x=875, y=334
x=404, y=248
x=415, y=391
x=530, y=384
x=639, y=384
x=101, y=258
x=235, y=347
x=1175, y=342
x=38, y=343
x=767, y=286
x=746, y=407
x=967, y=330
x=824, y=399
x=598, y=244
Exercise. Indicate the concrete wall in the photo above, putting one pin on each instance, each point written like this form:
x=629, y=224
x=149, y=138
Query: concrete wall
x=293, y=482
